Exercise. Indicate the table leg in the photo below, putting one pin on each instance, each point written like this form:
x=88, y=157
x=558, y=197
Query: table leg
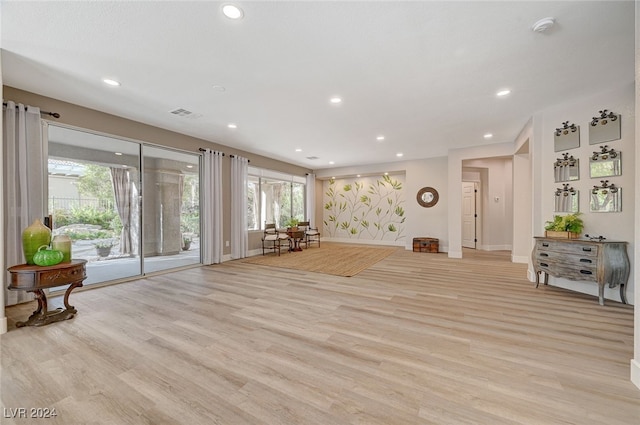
x=42, y=316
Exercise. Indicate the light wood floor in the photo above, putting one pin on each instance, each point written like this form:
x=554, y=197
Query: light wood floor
x=416, y=339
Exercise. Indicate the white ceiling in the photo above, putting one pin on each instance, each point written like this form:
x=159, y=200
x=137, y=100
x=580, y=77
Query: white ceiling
x=424, y=73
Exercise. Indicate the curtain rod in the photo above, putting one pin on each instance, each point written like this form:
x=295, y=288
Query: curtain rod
x=231, y=156
x=203, y=149
x=53, y=114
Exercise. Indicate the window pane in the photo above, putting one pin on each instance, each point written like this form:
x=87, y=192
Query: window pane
x=297, y=199
x=253, y=204
x=273, y=193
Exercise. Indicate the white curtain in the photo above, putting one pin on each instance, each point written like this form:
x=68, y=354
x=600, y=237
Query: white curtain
x=239, y=233
x=211, y=238
x=24, y=181
x=311, y=199
x=122, y=191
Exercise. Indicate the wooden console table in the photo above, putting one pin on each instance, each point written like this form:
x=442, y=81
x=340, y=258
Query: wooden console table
x=602, y=262
x=36, y=278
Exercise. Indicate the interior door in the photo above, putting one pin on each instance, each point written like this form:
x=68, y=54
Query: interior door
x=469, y=215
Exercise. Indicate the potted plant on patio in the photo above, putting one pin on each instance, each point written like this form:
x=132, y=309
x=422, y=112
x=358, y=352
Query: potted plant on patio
x=103, y=248
x=186, y=243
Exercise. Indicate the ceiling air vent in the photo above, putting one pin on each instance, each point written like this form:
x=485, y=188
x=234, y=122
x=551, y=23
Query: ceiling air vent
x=181, y=112
x=312, y=157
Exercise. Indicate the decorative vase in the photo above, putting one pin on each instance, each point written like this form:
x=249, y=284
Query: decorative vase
x=33, y=237
x=47, y=257
x=62, y=243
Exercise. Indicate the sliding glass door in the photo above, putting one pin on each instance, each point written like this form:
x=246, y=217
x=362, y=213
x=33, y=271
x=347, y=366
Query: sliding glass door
x=124, y=222
x=171, y=209
x=94, y=187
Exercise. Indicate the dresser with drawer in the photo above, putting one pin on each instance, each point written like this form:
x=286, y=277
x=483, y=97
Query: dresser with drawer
x=602, y=262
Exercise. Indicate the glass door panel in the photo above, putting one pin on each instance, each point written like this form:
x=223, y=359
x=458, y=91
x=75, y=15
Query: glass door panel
x=171, y=209
x=94, y=187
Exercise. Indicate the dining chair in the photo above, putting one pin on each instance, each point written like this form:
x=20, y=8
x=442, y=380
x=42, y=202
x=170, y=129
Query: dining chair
x=274, y=239
x=312, y=234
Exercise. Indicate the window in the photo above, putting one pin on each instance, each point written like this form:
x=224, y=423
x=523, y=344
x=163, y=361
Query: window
x=274, y=198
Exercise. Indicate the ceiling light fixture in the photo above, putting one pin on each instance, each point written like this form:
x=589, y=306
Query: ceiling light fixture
x=399, y=154
x=335, y=100
x=380, y=138
x=189, y=166
x=543, y=24
x=110, y=82
x=219, y=88
x=117, y=153
x=488, y=136
x=503, y=93
x=232, y=125
x=232, y=12
x=331, y=162
x=298, y=150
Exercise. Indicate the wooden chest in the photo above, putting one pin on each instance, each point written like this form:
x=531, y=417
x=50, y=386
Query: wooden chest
x=425, y=245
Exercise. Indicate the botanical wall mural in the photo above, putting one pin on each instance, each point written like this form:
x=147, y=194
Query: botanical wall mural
x=364, y=208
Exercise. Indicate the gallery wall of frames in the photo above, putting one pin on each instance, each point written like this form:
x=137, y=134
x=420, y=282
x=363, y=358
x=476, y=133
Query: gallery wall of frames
x=602, y=166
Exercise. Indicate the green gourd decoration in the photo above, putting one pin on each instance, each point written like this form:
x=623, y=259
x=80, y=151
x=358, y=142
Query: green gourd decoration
x=47, y=257
x=33, y=237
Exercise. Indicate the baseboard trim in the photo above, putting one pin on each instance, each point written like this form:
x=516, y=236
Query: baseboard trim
x=3, y=325
x=455, y=254
x=522, y=259
x=635, y=373
x=365, y=242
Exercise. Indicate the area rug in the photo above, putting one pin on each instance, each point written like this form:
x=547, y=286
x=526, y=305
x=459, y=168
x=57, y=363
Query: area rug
x=335, y=259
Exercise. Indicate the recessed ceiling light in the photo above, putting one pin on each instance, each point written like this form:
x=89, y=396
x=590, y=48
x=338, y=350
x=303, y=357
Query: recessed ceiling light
x=298, y=150
x=331, y=162
x=189, y=166
x=232, y=125
x=232, y=12
x=335, y=100
x=386, y=174
x=110, y=82
x=219, y=88
x=117, y=153
x=358, y=175
x=503, y=92
x=380, y=138
x=488, y=136
x=399, y=154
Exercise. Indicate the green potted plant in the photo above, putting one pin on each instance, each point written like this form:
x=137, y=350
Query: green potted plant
x=568, y=226
x=292, y=223
x=186, y=243
x=103, y=248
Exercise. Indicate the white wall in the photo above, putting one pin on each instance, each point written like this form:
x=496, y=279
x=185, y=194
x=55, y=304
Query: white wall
x=635, y=362
x=3, y=266
x=614, y=226
x=427, y=222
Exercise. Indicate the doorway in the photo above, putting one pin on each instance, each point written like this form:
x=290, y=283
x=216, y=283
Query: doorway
x=469, y=214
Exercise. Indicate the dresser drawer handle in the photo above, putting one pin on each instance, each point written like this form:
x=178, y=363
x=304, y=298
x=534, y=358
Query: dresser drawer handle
x=586, y=249
x=546, y=245
x=585, y=260
x=544, y=254
x=544, y=265
x=586, y=272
